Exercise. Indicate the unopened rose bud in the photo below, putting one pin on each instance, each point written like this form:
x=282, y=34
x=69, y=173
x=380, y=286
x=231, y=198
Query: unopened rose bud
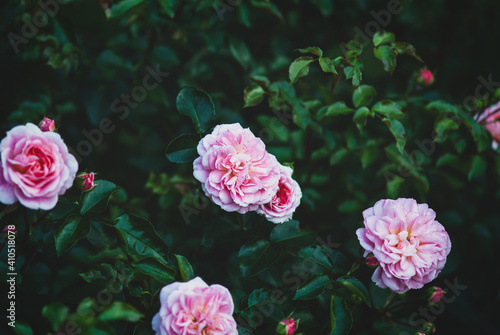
x=436, y=294
x=87, y=181
x=428, y=328
x=425, y=77
x=371, y=261
x=287, y=327
x=47, y=125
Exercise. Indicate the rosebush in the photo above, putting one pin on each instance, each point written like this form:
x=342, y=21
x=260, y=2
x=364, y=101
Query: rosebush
x=206, y=166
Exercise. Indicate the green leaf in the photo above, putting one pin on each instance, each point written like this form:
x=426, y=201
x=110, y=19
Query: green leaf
x=389, y=108
x=314, y=50
x=369, y=155
x=168, y=7
x=316, y=255
x=253, y=95
x=406, y=48
x=312, y=287
x=56, y=312
x=119, y=310
x=339, y=156
x=123, y=7
x=442, y=106
x=353, y=72
x=92, y=275
x=269, y=6
x=152, y=268
x=447, y=159
x=141, y=238
x=330, y=259
x=257, y=296
x=360, y=117
x=356, y=287
x=182, y=149
x=387, y=56
x=327, y=65
x=341, y=317
x=443, y=126
x=240, y=52
x=289, y=233
x=478, y=167
x=198, y=105
x=22, y=329
x=382, y=37
x=257, y=257
x=299, y=68
x=398, y=131
x=98, y=197
x=185, y=268
x=338, y=108
x=363, y=95
x=393, y=186
x=72, y=230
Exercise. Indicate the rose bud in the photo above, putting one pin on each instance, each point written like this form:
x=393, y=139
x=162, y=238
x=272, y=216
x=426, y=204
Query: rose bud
x=87, y=181
x=47, y=125
x=428, y=328
x=436, y=294
x=287, y=327
x=425, y=77
x=371, y=261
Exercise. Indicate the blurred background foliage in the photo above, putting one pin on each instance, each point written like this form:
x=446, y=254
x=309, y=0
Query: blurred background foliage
x=90, y=57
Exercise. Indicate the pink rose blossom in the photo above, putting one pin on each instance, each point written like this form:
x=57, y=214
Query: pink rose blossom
x=286, y=199
x=490, y=120
x=425, y=77
x=235, y=170
x=35, y=167
x=47, y=125
x=409, y=244
x=194, y=307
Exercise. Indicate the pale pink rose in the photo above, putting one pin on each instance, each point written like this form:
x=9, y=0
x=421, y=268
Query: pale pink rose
x=47, y=125
x=36, y=167
x=286, y=199
x=409, y=244
x=425, y=77
x=194, y=307
x=490, y=120
x=235, y=170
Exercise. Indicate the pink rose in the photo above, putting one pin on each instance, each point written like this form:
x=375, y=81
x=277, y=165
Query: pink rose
x=286, y=199
x=194, y=307
x=490, y=120
x=425, y=77
x=235, y=170
x=409, y=244
x=36, y=167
